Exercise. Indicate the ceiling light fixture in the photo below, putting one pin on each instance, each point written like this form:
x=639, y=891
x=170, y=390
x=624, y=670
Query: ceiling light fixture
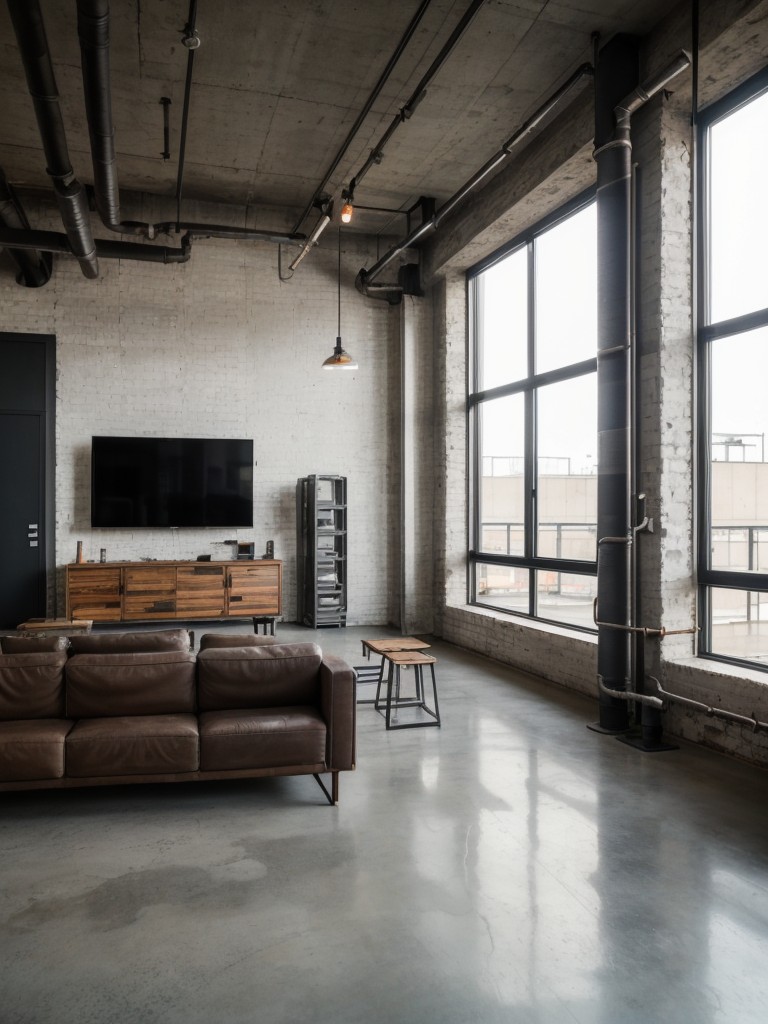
x=347, y=209
x=339, y=359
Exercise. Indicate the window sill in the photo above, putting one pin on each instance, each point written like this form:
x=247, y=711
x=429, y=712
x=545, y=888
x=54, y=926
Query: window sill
x=523, y=622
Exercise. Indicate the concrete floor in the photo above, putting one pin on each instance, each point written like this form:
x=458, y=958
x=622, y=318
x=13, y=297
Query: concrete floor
x=510, y=867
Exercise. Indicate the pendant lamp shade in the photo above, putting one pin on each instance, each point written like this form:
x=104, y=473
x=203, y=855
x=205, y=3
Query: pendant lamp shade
x=340, y=360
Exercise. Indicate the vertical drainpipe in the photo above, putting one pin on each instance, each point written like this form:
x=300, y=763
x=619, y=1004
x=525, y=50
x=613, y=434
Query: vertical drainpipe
x=616, y=74
x=618, y=95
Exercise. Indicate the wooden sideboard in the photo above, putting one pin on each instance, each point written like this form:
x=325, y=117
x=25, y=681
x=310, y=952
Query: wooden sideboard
x=133, y=591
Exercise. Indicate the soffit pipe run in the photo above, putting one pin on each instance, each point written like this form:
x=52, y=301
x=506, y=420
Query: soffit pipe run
x=34, y=267
x=70, y=194
x=617, y=98
x=365, y=278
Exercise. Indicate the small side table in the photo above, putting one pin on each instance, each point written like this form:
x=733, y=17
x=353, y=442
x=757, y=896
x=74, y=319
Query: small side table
x=416, y=660
x=374, y=673
x=266, y=622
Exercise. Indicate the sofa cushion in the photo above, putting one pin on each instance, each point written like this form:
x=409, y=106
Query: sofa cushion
x=106, y=685
x=258, y=677
x=32, y=685
x=130, y=643
x=209, y=640
x=135, y=745
x=32, y=750
x=261, y=738
x=33, y=644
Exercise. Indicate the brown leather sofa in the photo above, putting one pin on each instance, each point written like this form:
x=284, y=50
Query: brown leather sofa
x=128, y=708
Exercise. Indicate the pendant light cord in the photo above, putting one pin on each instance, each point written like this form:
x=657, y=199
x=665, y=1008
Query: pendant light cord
x=338, y=333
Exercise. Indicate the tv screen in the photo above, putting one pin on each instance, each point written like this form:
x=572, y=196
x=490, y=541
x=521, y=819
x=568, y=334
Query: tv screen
x=171, y=481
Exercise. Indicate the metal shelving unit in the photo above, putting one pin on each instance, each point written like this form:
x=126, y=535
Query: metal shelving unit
x=321, y=525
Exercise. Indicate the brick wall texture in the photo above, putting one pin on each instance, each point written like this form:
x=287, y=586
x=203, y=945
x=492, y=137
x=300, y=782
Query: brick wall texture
x=220, y=347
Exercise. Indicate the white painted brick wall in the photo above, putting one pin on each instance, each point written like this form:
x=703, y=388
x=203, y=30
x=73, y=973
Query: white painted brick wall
x=221, y=347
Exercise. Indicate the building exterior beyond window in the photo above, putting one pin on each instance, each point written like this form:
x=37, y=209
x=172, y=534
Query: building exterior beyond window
x=733, y=376
x=533, y=422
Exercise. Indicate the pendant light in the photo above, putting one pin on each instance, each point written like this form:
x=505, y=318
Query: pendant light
x=339, y=360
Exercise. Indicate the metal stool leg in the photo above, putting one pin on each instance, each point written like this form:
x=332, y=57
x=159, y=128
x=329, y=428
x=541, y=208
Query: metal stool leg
x=434, y=692
x=394, y=674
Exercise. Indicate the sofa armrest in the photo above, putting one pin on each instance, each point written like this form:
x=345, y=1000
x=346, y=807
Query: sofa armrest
x=338, y=707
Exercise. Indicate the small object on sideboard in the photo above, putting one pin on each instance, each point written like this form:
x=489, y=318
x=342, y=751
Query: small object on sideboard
x=246, y=550
x=270, y=550
x=79, y=558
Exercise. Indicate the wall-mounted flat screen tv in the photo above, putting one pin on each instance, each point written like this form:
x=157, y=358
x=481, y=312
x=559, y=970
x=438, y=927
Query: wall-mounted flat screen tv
x=171, y=481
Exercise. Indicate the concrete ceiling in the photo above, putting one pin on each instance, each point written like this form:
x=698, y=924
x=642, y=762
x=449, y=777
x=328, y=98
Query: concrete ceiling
x=277, y=85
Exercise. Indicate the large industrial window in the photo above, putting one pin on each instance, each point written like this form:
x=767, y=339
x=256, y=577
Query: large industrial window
x=533, y=422
x=733, y=375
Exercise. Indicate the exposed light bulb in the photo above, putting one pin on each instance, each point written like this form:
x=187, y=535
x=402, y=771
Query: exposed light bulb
x=346, y=212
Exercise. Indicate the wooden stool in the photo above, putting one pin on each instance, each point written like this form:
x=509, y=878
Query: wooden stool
x=374, y=673
x=408, y=659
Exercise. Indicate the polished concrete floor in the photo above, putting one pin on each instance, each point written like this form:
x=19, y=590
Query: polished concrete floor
x=509, y=867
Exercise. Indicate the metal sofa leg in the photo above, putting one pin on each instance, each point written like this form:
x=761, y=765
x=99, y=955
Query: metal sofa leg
x=333, y=796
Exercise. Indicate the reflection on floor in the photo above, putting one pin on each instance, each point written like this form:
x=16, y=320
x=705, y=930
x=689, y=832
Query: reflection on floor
x=509, y=867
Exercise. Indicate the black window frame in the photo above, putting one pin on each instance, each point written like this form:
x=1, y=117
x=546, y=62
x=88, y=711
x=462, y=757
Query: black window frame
x=528, y=386
x=707, y=332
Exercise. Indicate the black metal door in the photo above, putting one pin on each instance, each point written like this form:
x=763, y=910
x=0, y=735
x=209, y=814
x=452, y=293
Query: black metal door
x=26, y=499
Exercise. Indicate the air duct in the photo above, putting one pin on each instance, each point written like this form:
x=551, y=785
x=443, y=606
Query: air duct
x=70, y=194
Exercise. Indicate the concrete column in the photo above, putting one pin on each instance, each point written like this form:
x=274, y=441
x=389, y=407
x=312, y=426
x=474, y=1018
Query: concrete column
x=417, y=435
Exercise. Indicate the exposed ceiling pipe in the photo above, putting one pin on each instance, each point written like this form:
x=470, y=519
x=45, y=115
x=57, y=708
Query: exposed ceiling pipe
x=93, y=24
x=191, y=40
x=93, y=33
x=34, y=267
x=418, y=94
x=194, y=230
x=364, y=280
x=41, y=81
x=406, y=38
x=55, y=241
x=322, y=224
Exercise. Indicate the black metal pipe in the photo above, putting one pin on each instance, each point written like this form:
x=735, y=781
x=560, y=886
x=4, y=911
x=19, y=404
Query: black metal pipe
x=70, y=195
x=34, y=267
x=617, y=97
x=383, y=77
x=615, y=75
x=56, y=241
x=190, y=32
x=93, y=33
x=364, y=280
x=418, y=93
x=195, y=230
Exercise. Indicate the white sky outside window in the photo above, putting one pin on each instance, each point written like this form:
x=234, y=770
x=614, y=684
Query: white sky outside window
x=738, y=218
x=566, y=333
x=566, y=291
